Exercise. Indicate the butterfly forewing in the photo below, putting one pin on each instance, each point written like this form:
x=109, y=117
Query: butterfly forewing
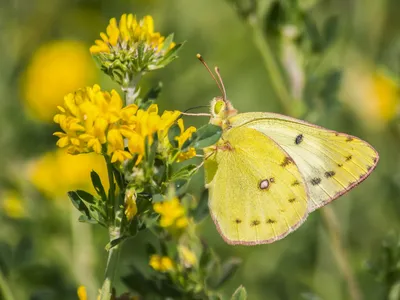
x=331, y=163
x=257, y=194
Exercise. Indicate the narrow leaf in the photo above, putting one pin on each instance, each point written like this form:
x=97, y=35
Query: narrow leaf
x=85, y=196
x=239, y=294
x=98, y=186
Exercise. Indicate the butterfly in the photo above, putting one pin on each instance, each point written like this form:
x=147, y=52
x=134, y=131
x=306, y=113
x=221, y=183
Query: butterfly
x=268, y=171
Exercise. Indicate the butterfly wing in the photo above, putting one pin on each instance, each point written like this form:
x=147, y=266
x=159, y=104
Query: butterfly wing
x=256, y=192
x=330, y=162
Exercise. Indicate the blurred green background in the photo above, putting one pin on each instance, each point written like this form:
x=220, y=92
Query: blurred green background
x=46, y=254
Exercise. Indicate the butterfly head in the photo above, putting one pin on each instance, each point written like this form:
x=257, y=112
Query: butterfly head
x=221, y=111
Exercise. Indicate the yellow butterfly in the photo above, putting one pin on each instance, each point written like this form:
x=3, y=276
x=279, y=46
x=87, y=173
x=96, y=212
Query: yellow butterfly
x=269, y=171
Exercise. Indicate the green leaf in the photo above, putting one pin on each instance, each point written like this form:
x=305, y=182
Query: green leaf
x=181, y=186
x=313, y=34
x=201, y=211
x=206, y=135
x=167, y=42
x=229, y=268
x=98, y=186
x=87, y=219
x=184, y=173
x=275, y=18
x=115, y=242
x=78, y=203
x=85, y=196
x=173, y=132
x=330, y=30
x=239, y=294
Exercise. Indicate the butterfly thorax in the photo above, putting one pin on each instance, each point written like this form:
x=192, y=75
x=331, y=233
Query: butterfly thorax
x=221, y=111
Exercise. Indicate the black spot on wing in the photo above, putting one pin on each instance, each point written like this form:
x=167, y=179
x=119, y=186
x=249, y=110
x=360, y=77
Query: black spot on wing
x=348, y=158
x=238, y=221
x=298, y=139
x=340, y=165
x=287, y=161
x=330, y=174
x=315, y=181
x=255, y=223
x=291, y=200
x=296, y=182
x=271, y=221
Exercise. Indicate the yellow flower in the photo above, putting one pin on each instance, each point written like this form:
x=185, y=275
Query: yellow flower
x=56, y=173
x=130, y=204
x=128, y=35
x=12, y=205
x=161, y=263
x=187, y=257
x=130, y=47
x=172, y=213
x=90, y=118
x=82, y=294
x=184, y=136
x=55, y=69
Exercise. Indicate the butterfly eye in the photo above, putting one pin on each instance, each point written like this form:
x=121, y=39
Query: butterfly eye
x=219, y=106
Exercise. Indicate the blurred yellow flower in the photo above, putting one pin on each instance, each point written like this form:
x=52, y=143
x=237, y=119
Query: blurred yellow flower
x=56, y=173
x=187, y=257
x=172, y=213
x=161, y=263
x=12, y=205
x=82, y=294
x=55, y=69
x=373, y=94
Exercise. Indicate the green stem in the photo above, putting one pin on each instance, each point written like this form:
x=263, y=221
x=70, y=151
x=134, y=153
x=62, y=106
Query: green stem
x=5, y=288
x=270, y=63
x=111, y=268
x=112, y=206
x=340, y=252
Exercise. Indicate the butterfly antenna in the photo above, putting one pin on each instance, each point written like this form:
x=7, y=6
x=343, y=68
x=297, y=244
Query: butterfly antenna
x=221, y=82
x=200, y=58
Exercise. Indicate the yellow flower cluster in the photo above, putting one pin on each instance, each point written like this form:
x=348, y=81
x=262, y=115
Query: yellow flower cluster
x=161, y=263
x=96, y=121
x=128, y=34
x=172, y=213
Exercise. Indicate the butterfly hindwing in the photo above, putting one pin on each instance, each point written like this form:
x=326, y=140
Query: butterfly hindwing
x=256, y=192
x=331, y=163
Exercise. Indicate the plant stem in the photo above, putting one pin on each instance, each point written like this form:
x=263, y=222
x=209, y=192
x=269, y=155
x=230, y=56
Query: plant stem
x=111, y=192
x=339, y=252
x=270, y=63
x=5, y=290
x=111, y=268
